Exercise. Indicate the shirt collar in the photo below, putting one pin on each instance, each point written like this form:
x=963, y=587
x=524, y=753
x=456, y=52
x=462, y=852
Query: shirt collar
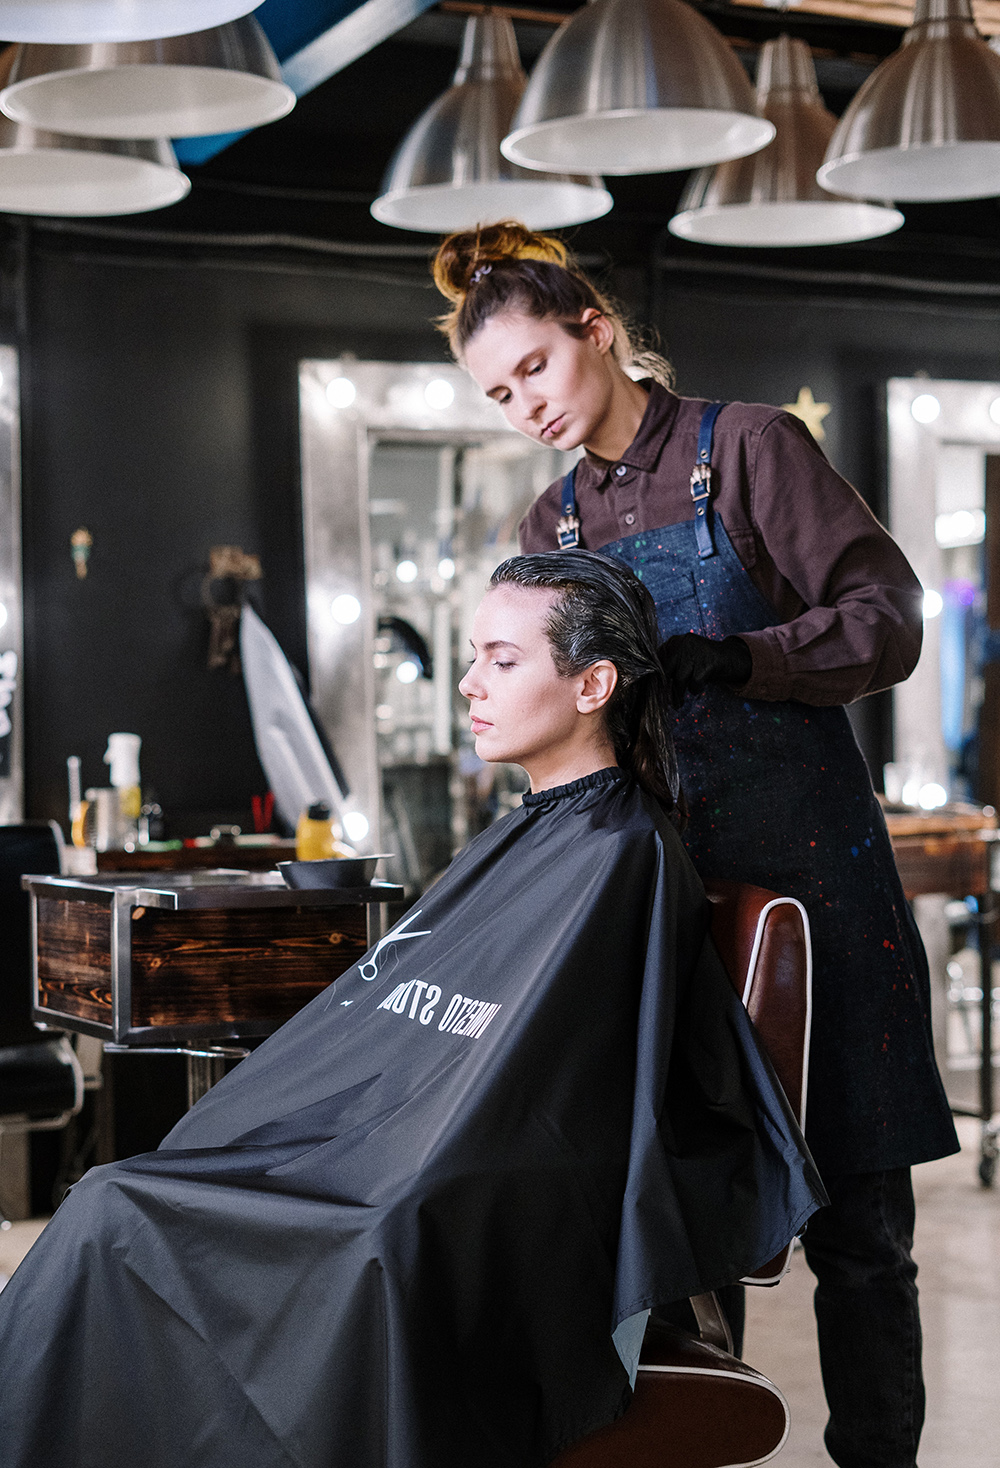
x=654, y=430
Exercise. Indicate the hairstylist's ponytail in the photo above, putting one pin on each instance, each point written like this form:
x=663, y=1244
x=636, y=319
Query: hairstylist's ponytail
x=603, y=611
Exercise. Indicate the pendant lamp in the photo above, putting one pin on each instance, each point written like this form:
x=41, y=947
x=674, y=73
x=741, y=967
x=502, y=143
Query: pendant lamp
x=926, y=123
x=51, y=173
x=215, y=81
x=448, y=173
x=80, y=22
x=635, y=86
x=772, y=197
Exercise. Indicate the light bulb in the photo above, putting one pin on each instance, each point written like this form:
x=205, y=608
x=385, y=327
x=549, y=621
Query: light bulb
x=346, y=609
x=925, y=408
x=355, y=825
x=931, y=796
x=933, y=604
x=3, y=615
x=995, y=410
x=406, y=571
x=407, y=672
x=446, y=568
x=341, y=392
x=439, y=394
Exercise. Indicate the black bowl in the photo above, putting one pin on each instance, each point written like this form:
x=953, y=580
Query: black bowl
x=343, y=871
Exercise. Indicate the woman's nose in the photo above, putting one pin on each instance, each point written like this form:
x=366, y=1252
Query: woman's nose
x=467, y=686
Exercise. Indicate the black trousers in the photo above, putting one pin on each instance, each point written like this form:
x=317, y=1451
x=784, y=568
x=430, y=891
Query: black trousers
x=868, y=1319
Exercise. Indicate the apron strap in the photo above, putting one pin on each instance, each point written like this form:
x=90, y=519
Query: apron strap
x=568, y=528
x=701, y=482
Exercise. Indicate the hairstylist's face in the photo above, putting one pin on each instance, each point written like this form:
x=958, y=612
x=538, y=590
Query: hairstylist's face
x=522, y=710
x=553, y=387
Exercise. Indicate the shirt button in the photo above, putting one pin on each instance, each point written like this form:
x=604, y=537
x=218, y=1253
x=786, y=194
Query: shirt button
x=629, y=519
x=620, y=470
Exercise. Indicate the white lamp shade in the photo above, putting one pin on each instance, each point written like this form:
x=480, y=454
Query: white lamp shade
x=772, y=198
x=215, y=81
x=926, y=123
x=448, y=173
x=80, y=22
x=51, y=174
x=635, y=86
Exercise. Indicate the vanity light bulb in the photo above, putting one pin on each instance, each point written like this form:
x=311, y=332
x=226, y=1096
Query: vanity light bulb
x=931, y=796
x=3, y=615
x=995, y=410
x=933, y=604
x=446, y=568
x=407, y=672
x=345, y=609
x=341, y=392
x=439, y=394
x=406, y=571
x=925, y=408
x=355, y=825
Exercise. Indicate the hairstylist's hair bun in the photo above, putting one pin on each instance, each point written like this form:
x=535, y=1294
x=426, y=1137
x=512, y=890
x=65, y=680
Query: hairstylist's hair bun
x=462, y=254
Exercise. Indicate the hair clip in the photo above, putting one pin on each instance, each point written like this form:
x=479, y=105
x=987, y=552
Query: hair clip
x=479, y=272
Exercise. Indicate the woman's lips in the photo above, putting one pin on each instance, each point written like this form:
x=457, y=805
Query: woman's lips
x=552, y=429
x=478, y=725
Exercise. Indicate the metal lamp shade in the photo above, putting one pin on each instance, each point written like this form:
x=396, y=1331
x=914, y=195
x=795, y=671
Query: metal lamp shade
x=449, y=173
x=772, y=198
x=926, y=123
x=215, y=81
x=635, y=86
x=83, y=21
x=50, y=173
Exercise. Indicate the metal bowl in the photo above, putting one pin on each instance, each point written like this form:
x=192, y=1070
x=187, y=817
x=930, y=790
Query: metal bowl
x=343, y=871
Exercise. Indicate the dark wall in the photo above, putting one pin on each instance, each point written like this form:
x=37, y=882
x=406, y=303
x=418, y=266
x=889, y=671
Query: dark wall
x=160, y=411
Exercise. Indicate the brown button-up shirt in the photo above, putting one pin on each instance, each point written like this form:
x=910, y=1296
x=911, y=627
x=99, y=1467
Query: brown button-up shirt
x=848, y=606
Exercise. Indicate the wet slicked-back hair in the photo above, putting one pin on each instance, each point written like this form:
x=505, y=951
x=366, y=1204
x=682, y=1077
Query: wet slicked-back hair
x=601, y=612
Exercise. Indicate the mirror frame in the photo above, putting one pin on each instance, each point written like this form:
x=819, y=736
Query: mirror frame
x=389, y=398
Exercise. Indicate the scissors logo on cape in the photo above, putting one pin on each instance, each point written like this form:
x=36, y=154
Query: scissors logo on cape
x=396, y=936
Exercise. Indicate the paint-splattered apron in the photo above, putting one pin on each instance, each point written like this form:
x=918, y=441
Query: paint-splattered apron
x=779, y=795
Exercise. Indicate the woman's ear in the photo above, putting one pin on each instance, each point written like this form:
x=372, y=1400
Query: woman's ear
x=597, y=684
x=599, y=329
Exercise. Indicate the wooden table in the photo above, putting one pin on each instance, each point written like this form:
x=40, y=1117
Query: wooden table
x=948, y=852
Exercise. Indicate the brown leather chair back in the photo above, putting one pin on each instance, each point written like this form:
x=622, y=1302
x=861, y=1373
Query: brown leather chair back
x=695, y=1405
x=763, y=940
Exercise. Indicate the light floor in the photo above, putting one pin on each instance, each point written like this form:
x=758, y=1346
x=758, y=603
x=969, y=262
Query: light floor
x=958, y=1252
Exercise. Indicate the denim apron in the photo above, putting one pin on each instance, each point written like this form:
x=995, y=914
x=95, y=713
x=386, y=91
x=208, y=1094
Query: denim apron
x=779, y=795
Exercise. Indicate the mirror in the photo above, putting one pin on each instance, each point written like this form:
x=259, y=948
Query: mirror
x=944, y=501
x=11, y=620
x=413, y=488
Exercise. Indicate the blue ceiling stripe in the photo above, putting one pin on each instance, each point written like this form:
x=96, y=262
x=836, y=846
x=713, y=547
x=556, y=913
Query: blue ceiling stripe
x=314, y=39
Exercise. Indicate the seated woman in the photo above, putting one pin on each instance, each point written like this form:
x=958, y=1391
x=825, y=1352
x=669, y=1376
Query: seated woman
x=422, y=1225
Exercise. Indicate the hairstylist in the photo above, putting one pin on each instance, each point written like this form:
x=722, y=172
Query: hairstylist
x=780, y=598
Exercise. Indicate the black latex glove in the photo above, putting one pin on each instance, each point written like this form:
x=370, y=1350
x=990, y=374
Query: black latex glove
x=690, y=661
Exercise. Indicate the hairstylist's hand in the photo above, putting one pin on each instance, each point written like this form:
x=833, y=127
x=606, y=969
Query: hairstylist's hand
x=690, y=661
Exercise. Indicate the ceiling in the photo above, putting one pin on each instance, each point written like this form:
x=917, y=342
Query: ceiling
x=303, y=185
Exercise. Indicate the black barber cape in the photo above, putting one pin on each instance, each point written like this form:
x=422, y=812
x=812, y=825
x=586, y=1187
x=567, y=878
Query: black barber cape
x=401, y=1234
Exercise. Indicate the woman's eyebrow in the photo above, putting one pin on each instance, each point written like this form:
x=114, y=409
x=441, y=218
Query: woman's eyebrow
x=499, y=642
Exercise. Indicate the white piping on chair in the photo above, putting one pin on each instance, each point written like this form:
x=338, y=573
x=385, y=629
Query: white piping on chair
x=751, y=971
x=747, y=1380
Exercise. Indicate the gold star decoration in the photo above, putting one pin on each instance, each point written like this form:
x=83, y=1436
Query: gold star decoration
x=811, y=412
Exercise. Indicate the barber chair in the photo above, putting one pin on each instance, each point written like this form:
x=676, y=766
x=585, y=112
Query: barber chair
x=695, y=1405
x=41, y=1078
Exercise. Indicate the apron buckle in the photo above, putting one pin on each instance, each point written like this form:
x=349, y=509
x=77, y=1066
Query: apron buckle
x=568, y=532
